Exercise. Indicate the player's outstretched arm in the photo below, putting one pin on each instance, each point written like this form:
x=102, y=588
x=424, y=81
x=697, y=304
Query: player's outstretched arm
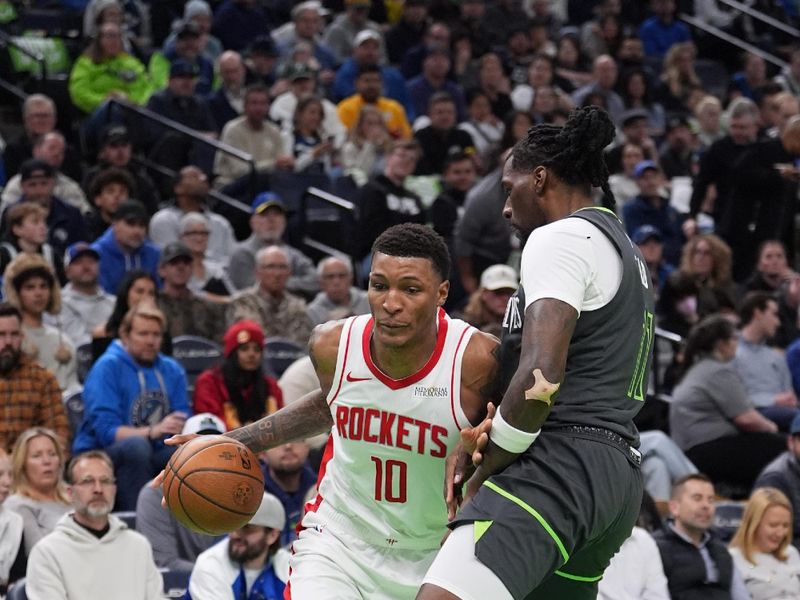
x=546, y=334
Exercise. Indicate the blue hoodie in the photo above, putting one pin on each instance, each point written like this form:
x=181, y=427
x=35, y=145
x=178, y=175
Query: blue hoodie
x=113, y=396
x=114, y=263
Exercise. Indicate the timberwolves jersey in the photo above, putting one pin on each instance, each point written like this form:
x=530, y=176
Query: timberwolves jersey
x=382, y=473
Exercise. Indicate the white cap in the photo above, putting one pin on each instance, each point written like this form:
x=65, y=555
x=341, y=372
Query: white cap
x=364, y=35
x=499, y=277
x=270, y=513
x=314, y=5
x=205, y=423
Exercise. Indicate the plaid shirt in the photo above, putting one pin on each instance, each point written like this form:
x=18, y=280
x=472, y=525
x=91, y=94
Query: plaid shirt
x=30, y=397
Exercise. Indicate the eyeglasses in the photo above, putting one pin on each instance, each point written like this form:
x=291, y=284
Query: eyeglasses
x=197, y=233
x=273, y=267
x=336, y=276
x=91, y=482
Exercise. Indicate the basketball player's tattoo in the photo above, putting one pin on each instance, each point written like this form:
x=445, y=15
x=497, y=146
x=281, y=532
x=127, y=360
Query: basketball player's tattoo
x=302, y=419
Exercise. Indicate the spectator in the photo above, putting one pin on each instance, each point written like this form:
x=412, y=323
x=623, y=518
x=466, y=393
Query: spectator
x=186, y=313
x=30, y=285
x=763, y=369
x=181, y=102
x=134, y=397
x=261, y=62
x=707, y=115
x=199, y=13
x=789, y=77
x=487, y=305
x=40, y=496
x=84, y=305
x=227, y=102
x=648, y=238
x=307, y=21
x=570, y=62
x=383, y=201
x=435, y=67
x=407, y=32
x=783, y=473
x=634, y=131
x=236, y=23
x=108, y=190
x=459, y=176
x=191, y=195
x=31, y=394
x=64, y=222
x=303, y=83
x=677, y=153
x=707, y=259
x=485, y=129
x=696, y=563
x=38, y=118
x=437, y=35
x=441, y=138
x=788, y=308
x=678, y=78
x=623, y=184
x=269, y=303
x=661, y=31
x=288, y=477
x=92, y=553
x=541, y=73
x=223, y=571
x=752, y=77
x=187, y=47
x=762, y=550
x=340, y=34
x=651, y=208
x=364, y=153
x=501, y=18
x=253, y=134
x=105, y=70
x=123, y=246
x=711, y=417
x=312, y=152
x=493, y=81
x=268, y=224
x=26, y=233
x=174, y=546
x=470, y=21
x=368, y=92
x=208, y=276
x=604, y=79
x=49, y=148
x=337, y=297
x=116, y=151
x=12, y=552
x=238, y=392
x=677, y=303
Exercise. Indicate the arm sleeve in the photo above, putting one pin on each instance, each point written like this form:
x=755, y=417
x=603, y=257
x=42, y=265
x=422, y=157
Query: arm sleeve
x=207, y=583
x=154, y=583
x=84, y=95
x=178, y=397
x=738, y=589
x=31, y=532
x=103, y=399
x=139, y=92
x=655, y=580
x=158, y=526
x=43, y=581
x=207, y=397
x=162, y=230
x=728, y=393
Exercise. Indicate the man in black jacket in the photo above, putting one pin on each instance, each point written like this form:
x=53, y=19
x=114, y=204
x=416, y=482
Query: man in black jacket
x=697, y=565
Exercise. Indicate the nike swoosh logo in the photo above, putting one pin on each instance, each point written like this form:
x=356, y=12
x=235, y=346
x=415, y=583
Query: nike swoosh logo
x=351, y=379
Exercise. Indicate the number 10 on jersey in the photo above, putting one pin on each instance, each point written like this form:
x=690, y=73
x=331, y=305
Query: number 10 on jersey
x=391, y=477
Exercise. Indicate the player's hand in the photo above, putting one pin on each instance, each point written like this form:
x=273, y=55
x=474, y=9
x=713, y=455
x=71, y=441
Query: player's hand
x=175, y=440
x=475, y=439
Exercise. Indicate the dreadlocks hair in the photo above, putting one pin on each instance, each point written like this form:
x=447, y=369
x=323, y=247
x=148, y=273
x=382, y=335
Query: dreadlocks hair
x=574, y=152
x=412, y=240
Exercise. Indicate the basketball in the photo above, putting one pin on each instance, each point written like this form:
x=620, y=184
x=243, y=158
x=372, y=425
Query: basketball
x=213, y=484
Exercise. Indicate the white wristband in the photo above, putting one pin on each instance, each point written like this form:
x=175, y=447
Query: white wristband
x=510, y=438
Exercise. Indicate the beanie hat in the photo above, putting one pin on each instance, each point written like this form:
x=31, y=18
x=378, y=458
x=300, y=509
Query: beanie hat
x=241, y=333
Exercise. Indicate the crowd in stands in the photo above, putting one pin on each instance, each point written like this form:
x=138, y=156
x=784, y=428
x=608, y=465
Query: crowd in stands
x=123, y=238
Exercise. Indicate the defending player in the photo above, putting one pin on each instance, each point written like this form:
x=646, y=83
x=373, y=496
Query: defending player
x=397, y=387
x=548, y=517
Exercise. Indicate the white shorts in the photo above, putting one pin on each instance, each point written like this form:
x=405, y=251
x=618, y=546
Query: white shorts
x=457, y=570
x=340, y=567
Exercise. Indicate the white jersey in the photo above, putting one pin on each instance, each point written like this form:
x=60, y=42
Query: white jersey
x=382, y=472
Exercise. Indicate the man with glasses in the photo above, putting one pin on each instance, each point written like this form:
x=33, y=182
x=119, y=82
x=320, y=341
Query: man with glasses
x=269, y=304
x=338, y=298
x=91, y=553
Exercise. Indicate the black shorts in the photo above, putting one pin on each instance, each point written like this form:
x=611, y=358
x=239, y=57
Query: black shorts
x=549, y=524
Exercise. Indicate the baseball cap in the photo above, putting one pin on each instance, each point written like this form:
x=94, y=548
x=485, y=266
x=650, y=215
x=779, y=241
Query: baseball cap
x=172, y=251
x=314, y=5
x=676, y=121
x=115, y=135
x=266, y=200
x=499, y=277
x=634, y=114
x=240, y=333
x=270, y=513
x=645, y=165
x=203, y=423
x=645, y=233
x=184, y=68
x=77, y=250
x=186, y=28
x=364, y=35
x=298, y=71
x=196, y=7
x=35, y=167
x=263, y=45
x=132, y=211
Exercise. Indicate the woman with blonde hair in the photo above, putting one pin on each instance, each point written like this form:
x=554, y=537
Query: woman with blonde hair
x=762, y=550
x=40, y=496
x=678, y=77
x=365, y=149
x=707, y=259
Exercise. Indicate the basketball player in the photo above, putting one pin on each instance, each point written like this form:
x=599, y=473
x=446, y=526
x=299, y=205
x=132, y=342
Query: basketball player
x=397, y=387
x=545, y=518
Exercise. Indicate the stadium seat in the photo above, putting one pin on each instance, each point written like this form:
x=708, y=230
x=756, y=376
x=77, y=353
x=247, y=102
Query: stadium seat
x=196, y=354
x=17, y=591
x=727, y=518
x=73, y=404
x=128, y=517
x=175, y=582
x=279, y=353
